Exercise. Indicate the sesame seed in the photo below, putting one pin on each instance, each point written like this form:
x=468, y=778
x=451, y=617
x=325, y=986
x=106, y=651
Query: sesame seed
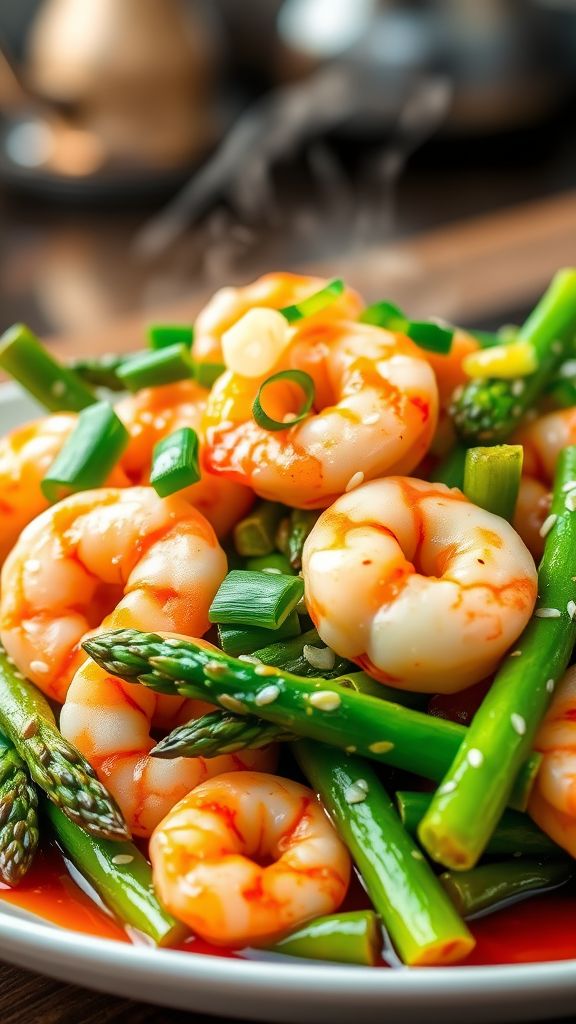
x=58, y=388
x=265, y=670
x=325, y=700
x=550, y=684
x=146, y=417
x=122, y=858
x=570, y=501
x=363, y=784
x=39, y=666
x=32, y=565
x=515, y=654
x=267, y=695
x=354, y=481
x=547, y=525
x=381, y=747
x=356, y=793
x=517, y=853
x=371, y=418
x=416, y=854
x=232, y=704
x=517, y=387
x=160, y=422
x=448, y=787
x=250, y=659
x=547, y=613
x=319, y=657
x=214, y=668
x=475, y=757
x=571, y=609
x=518, y=723
x=172, y=642
x=116, y=559
x=350, y=750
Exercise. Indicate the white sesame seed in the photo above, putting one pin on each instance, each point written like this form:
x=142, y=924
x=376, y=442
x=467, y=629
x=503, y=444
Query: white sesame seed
x=547, y=525
x=416, y=854
x=475, y=757
x=160, y=422
x=570, y=501
x=319, y=657
x=518, y=723
x=122, y=858
x=550, y=684
x=448, y=787
x=265, y=670
x=116, y=559
x=232, y=704
x=371, y=418
x=146, y=416
x=250, y=659
x=356, y=794
x=267, y=695
x=19, y=675
x=289, y=417
x=58, y=388
x=32, y=565
x=325, y=700
x=355, y=481
x=39, y=666
x=571, y=609
x=381, y=747
x=517, y=387
x=515, y=654
x=350, y=750
x=547, y=613
x=171, y=641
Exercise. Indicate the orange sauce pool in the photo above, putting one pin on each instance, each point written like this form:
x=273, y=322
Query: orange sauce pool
x=543, y=928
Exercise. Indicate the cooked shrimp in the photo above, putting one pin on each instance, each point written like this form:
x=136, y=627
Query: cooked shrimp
x=376, y=406
x=553, y=802
x=542, y=440
x=247, y=857
x=418, y=586
x=26, y=454
x=111, y=557
x=272, y=291
x=154, y=413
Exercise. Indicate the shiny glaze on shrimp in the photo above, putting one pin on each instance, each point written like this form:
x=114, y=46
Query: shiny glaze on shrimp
x=417, y=585
x=553, y=801
x=272, y=291
x=376, y=406
x=542, y=440
x=246, y=858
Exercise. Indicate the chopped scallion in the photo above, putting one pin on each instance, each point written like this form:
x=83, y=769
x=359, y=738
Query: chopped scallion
x=492, y=477
x=164, y=335
x=175, y=462
x=256, y=598
x=314, y=303
x=303, y=381
x=429, y=335
x=56, y=387
x=89, y=454
x=274, y=562
x=254, y=535
x=236, y=640
x=152, y=369
x=207, y=373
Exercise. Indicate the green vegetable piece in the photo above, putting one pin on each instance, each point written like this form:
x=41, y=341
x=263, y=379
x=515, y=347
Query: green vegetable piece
x=175, y=462
x=55, y=386
x=152, y=369
x=290, y=657
x=352, y=938
x=237, y=640
x=89, y=454
x=19, y=832
x=102, y=371
x=207, y=374
x=219, y=732
x=490, y=885
x=165, y=335
x=254, y=535
x=492, y=478
x=256, y=598
x=303, y=381
x=274, y=562
x=314, y=303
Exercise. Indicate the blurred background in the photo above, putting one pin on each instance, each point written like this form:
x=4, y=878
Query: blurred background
x=151, y=150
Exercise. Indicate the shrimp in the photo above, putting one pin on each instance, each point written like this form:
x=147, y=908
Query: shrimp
x=108, y=557
x=376, y=408
x=542, y=440
x=418, y=586
x=553, y=801
x=26, y=454
x=272, y=291
x=152, y=414
x=248, y=857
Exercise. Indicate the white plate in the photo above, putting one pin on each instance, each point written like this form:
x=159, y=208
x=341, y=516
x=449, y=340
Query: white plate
x=282, y=990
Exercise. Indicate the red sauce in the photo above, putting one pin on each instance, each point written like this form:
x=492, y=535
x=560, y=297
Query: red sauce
x=543, y=928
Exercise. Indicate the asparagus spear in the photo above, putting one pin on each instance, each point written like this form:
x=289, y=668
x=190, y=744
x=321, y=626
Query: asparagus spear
x=468, y=805
x=54, y=764
x=314, y=708
x=515, y=833
x=219, y=732
x=35, y=368
x=291, y=656
x=419, y=917
x=352, y=938
x=487, y=410
x=120, y=874
x=19, y=832
x=486, y=887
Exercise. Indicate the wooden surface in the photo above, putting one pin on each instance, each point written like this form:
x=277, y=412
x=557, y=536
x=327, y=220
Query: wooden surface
x=472, y=271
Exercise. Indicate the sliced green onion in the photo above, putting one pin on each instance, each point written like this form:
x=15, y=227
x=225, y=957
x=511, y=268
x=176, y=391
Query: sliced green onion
x=175, y=462
x=89, y=454
x=492, y=478
x=314, y=303
x=425, y=333
x=299, y=377
x=256, y=598
x=102, y=371
x=349, y=938
x=254, y=535
x=164, y=335
x=384, y=314
x=152, y=369
x=290, y=656
x=55, y=386
x=274, y=562
x=207, y=373
x=487, y=886
x=451, y=470
x=236, y=640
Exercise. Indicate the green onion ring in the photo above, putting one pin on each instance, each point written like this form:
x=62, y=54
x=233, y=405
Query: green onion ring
x=299, y=377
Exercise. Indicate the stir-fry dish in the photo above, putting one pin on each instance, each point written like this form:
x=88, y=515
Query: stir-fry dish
x=288, y=607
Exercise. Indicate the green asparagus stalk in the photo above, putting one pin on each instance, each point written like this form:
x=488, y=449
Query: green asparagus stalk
x=317, y=709
x=55, y=386
x=290, y=656
x=120, y=875
x=102, y=371
x=54, y=764
x=488, y=410
x=254, y=535
x=490, y=885
x=219, y=732
x=469, y=803
x=492, y=477
x=352, y=938
x=419, y=917
x=19, y=831
x=515, y=833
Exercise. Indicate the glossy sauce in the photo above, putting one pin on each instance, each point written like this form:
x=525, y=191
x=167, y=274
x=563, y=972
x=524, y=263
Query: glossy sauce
x=543, y=928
